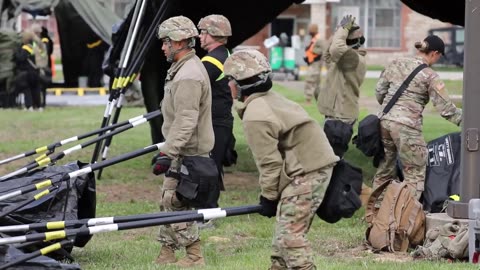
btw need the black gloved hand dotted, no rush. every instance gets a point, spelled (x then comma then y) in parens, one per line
(353, 28)
(269, 208)
(347, 22)
(161, 163)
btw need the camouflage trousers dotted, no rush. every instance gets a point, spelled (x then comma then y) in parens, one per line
(295, 212)
(410, 147)
(312, 80)
(176, 235)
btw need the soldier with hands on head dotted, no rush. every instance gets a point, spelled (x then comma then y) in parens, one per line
(401, 127)
(214, 32)
(187, 126)
(293, 156)
(346, 69)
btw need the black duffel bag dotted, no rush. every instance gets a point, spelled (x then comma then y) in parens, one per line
(198, 182)
(369, 140)
(342, 197)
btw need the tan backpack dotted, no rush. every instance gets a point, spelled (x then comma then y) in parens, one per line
(399, 221)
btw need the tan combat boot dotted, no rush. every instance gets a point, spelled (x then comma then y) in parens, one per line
(194, 256)
(166, 256)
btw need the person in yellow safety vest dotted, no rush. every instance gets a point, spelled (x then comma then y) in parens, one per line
(313, 55)
(96, 49)
(214, 32)
(26, 77)
(43, 50)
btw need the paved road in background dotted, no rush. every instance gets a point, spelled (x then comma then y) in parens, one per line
(74, 100)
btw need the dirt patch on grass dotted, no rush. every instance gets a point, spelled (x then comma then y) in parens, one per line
(123, 192)
(150, 190)
(362, 252)
(240, 180)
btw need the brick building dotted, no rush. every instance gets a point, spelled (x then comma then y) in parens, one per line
(390, 27)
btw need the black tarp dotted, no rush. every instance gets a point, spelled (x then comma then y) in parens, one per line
(443, 171)
(74, 199)
(9, 253)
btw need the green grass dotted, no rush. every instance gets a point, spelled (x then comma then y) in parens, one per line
(237, 242)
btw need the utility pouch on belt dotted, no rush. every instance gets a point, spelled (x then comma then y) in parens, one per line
(198, 179)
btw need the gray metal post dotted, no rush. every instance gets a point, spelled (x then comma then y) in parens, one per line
(470, 164)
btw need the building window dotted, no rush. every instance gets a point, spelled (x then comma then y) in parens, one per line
(380, 20)
(383, 29)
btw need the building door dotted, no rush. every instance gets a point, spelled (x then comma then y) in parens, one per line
(285, 26)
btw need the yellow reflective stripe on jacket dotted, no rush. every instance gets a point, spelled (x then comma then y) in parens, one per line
(94, 44)
(28, 49)
(215, 62)
(45, 40)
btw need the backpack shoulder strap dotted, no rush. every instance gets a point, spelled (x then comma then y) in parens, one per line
(370, 208)
(402, 88)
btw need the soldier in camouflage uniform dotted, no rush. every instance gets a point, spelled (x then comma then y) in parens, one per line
(401, 127)
(292, 154)
(187, 127)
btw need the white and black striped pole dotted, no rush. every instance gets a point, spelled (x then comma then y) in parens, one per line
(57, 225)
(48, 160)
(51, 147)
(84, 171)
(203, 215)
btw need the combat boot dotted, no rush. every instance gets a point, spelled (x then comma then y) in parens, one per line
(166, 256)
(194, 256)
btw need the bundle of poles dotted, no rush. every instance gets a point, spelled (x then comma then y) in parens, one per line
(59, 230)
(129, 66)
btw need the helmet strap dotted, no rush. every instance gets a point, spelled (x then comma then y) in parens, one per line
(171, 56)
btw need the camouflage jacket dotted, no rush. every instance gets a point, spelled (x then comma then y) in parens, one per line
(186, 109)
(346, 69)
(426, 85)
(284, 140)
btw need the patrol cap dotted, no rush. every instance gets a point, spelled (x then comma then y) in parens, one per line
(245, 64)
(216, 25)
(434, 43)
(177, 28)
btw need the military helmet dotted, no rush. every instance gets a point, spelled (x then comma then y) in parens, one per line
(27, 37)
(177, 28)
(216, 25)
(244, 64)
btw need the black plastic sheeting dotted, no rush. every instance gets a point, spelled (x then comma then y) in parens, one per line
(443, 171)
(9, 253)
(446, 11)
(74, 199)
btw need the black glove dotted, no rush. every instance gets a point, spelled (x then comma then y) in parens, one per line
(161, 163)
(347, 22)
(269, 208)
(353, 28)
